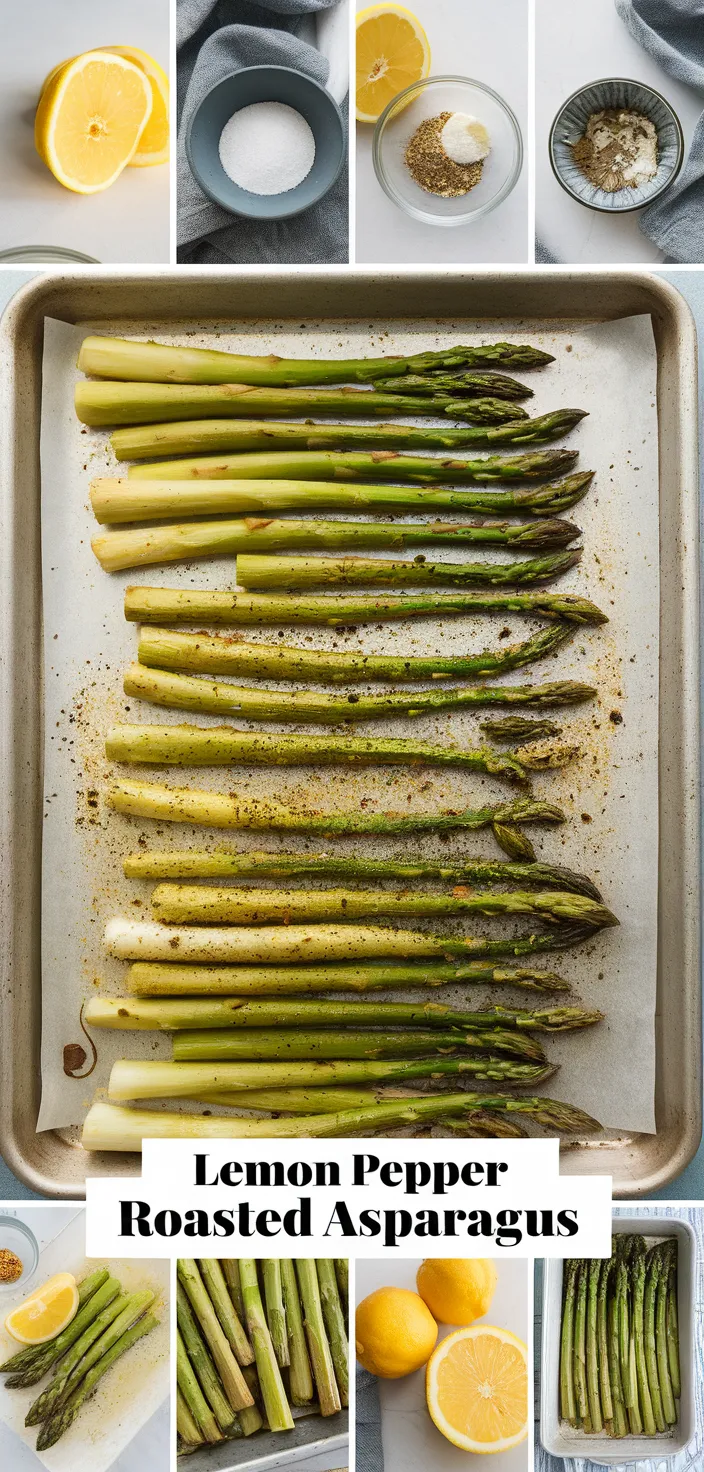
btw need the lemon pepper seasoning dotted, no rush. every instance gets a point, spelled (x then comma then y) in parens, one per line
(10, 1266)
(432, 168)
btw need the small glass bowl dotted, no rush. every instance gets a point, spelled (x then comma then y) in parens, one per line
(45, 255)
(426, 99)
(20, 1239)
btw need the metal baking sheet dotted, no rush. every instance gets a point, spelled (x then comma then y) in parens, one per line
(311, 1436)
(639, 1162)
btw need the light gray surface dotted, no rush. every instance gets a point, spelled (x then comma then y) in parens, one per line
(489, 44)
(128, 222)
(577, 44)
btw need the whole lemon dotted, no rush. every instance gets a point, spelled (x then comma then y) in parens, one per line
(394, 1333)
(457, 1290)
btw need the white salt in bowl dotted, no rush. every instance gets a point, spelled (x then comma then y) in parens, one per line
(569, 126)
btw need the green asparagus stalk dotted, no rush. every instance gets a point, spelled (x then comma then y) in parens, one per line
(624, 1321)
(116, 357)
(318, 1346)
(593, 1272)
(133, 1306)
(335, 1324)
(86, 1288)
(206, 1423)
(468, 385)
(300, 1376)
(515, 844)
(237, 1012)
(251, 1418)
(278, 1412)
(519, 728)
(213, 1277)
(152, 979)
(342, 1271)
(652, 1275)
(46, 1403)
(201, 1361)
(227, 864)
(580, 1345)
(634, 1413)
(661, 1338)
(275, 1310)
(186, 605)
(638, 1272)
(602, 1328)
(55, 1428)
(484, 1125)
(188, 692)
(262, 573)
(673, 1334)
(188, 1433)
(546, 756)
(272, 1043)
(231, 1269)
(620, 1422)
(568, 1403)
(30, 1372)
(108, 1127)
(213, 654)
(277, 450)
(234, 1384)
(122, 500)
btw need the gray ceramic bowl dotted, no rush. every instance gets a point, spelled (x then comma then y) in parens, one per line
(266, 84)
(569, 126)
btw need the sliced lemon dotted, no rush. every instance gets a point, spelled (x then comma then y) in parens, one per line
(45, 1313)
(392, 53)
(477, 1389)
(153, 146)
(90, 119)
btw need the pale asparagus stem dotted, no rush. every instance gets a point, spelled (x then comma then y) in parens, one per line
(199, 1356)
(105, 403)
(273, 1043)
(204, 904)
(230, 1373)
(230, 1267)
(152, 979)
(186, 1427)
(318, 1345)
(217, 746)
(162, 1080)
(251, 1419)
(335, 1324)
(214, 1280)
(229, 864)
(123, 500)
(342, 1274)
(300, 1377)
(241, 1012)
(265, 573)
(275, 1311)
(107, 1127)
(153, 362)
(190, 1389)
(308, 451)
(135, 940)
(322, 708)
(215, 654)
(188, 605)
(276, 1406)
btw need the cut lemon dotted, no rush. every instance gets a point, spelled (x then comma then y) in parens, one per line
(90, 119)
(153, 146)
(392, 53)
(477, 1389)
(45, 1313)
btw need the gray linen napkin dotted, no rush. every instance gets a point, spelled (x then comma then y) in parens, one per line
(672, 31)
(369, 1453)
(216, 38)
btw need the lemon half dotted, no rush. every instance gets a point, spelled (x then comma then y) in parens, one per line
(477, 1389)
(45, 1313)
(91, 116)
(392, 53)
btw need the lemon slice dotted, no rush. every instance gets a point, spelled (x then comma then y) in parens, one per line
(90, 119)
(477, 1389)
(45, 1313)
(392, 53)
(153, 146)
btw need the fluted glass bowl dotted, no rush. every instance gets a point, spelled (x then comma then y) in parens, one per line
(569, 126)
(17, 1237)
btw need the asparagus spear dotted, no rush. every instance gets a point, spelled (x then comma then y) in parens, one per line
(652, 1275)
(580, 1345)
(466, 384)
(252, 449)
(47, 1402)
(213, 1277)
(55, 1428)
(275, 1310)
(620, 1422)
(485, 1125)
(318, 1345)
(231, 1269)
(185, 605)
(86, 1288)
(514, 843)
(254, 572)
(120, 500)
(519, 728)
(117, 357)
(546, 756)
(568, 1404)
(593, 1272)
(31, 1371)
(152, 979)
(661, 1337)
(239, 1012)
(188, 692)
(602, 1331)
(342, 1270)
(108, 1127)
(270, 1044)
(624, 1321)
(278, 1412)
(638, 1272)
(206, 1423)
(251, 1418)
(70, 1374)
(673, 1336)
(234, 1384)
(201, 1361)
(188, 1433)
(335, 1325)
(300, 1377)
(228, 863)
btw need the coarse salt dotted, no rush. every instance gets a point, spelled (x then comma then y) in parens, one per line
(464, 139)
(267, 148)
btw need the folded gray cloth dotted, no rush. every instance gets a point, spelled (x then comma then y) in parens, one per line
(369, 1452)
(216, 38)
(672, 31)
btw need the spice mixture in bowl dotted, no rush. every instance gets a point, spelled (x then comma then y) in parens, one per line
(19, 1253)
(616, 145)
(447, 150)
